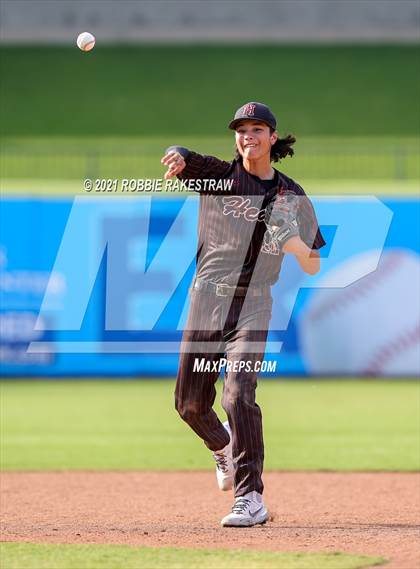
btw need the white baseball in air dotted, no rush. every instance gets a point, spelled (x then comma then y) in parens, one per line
(370, 327)
(85, 41)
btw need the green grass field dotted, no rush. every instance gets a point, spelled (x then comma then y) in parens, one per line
(41, 556)
(310, 425)
(132, 91)
(120, 425)
(112, 112)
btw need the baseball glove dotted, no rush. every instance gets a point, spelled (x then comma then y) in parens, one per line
(281, 217)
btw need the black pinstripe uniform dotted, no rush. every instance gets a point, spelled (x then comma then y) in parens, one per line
(234, 249)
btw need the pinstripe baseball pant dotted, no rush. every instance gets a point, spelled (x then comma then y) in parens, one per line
(234, 328)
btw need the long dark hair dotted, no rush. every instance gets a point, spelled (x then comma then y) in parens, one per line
(280, 149)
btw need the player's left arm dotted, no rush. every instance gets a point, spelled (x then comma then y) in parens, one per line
(308, 259)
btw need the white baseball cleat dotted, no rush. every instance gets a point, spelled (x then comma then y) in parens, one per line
(248, 510)
(224, 464)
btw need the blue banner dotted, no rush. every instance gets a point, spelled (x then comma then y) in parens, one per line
(96, 286)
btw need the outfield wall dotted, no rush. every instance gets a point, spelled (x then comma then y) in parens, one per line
(41, 21)
(97, 286)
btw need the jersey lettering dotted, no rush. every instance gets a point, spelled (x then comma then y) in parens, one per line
(239, 206)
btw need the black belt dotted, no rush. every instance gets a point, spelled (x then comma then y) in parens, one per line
(220, 289)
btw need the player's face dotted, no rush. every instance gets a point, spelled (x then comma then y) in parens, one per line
(254, 140)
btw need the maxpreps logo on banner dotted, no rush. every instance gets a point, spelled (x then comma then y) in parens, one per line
(147, 249)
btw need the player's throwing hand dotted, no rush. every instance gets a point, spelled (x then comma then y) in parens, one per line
(175, 163)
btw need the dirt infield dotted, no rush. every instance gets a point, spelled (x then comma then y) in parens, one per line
(365, 513)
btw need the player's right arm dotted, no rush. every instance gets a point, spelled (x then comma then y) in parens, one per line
(174, 160)
(186, 164)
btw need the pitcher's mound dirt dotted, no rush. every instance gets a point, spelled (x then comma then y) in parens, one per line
(365, 513)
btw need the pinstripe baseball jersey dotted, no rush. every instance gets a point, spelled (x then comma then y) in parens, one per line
(233, 241)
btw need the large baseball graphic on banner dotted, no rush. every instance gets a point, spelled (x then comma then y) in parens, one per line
(370, 327)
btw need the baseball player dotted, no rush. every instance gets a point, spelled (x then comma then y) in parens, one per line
(244, 233)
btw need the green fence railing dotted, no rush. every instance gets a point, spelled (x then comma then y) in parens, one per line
(324, 159)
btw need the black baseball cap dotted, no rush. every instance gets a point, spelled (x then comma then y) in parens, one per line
(254, 111)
